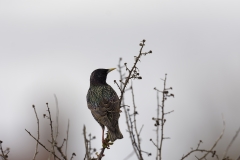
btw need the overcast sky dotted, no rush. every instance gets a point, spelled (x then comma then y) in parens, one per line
(51, 47)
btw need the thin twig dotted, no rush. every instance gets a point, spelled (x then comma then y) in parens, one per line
(61, 152)
(207, 151)
(230, 144)
(196, 150)
(67, 137)
(101, 154)
(129, 156)
(50, 119)
(135, 124)
(162, 119)
(124, 106)
(38, 134)
(217, 139)
(86, 143)
(57, 116)
(157, 130)
(73, 154)
(140, 130)
(42, 144)
(2, 155)
(142, 44)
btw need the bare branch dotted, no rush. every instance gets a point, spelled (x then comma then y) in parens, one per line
(217, 139)
(53, 141)
(230, 144)
(73, 154)
(3, 155)
(57, 115)
(67, 137)
(86, 143)
(38, 134)
(42, 144)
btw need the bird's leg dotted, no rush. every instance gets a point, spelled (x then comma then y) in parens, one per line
(105, 142)
(103, 134)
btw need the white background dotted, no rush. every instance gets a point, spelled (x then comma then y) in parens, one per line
(51, 47)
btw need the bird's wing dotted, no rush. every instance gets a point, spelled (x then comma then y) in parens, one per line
(106, 110)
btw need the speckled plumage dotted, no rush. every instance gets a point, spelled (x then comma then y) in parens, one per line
(103, 102)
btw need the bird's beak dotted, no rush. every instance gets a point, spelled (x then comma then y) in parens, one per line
(110, 69)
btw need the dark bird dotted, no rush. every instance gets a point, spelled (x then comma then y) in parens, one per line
(103, 102)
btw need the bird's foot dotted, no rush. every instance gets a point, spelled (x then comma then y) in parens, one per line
(106, 142)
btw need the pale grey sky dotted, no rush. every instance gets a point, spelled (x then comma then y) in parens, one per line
(51, 47)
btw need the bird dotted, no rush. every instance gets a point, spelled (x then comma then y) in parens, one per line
(103, 103)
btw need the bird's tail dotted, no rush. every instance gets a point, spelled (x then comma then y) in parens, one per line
(115, 133)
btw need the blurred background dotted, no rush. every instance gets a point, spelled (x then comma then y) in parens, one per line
(51, 47)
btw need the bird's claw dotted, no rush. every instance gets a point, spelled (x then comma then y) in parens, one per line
(106, 142)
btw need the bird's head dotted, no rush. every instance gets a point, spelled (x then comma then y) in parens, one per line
(99, 76)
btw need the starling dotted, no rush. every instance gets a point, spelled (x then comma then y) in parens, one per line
(103, 102)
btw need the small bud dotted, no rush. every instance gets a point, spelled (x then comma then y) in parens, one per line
(93, 137)
(1, 141)
(44, 115)
(74, 154)
(114, 81)
(120, 58)
(33, 106)
(143, 40)
(150, 51)
(150, 139)
(140, 44)
(153, 118)
(125, 64)
(94, 149)
(149, 154)
(165, 92)
(139, 77)
(170, 88)
(154, 88)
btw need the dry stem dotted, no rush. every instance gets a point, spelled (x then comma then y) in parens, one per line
(38, 134)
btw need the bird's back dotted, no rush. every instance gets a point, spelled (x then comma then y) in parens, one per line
(100, 93)
(104, 105)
